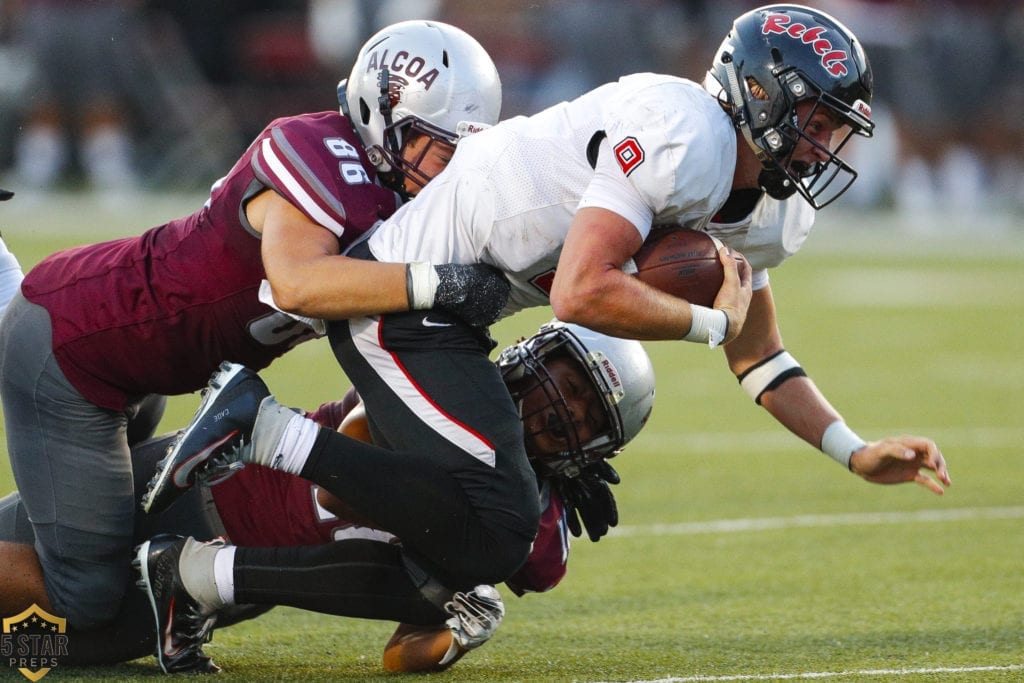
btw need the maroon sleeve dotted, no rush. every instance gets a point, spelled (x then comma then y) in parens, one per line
(316, 162)
(332, 413)
(549, 556)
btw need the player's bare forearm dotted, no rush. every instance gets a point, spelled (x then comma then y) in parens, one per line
(796, 403)
(617, 304)
(307, 274)
(801, 408)
(590, 288)
(335, 287)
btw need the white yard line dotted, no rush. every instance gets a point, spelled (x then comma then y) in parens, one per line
(719, 526)
(835, 674)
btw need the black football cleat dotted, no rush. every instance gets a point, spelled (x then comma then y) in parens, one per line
(212, 445)
(181, 627)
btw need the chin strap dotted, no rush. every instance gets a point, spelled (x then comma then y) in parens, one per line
(738, 112)
(776, 183)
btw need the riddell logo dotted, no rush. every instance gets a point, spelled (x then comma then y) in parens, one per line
(611, 372)
(832, 59)
(33, 641)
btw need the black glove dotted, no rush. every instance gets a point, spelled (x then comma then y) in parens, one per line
(475, 292)
(587, 497)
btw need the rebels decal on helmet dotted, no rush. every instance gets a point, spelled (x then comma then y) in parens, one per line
(832, 60)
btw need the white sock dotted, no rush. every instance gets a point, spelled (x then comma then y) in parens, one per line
(107, 157)
(295, 445)
(40, 154)
(196, 567)
(224, 574)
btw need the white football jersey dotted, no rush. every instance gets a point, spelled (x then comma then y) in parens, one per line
(654, 149)
(774, 231)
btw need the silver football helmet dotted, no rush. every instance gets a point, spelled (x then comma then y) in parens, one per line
(418, 76)
(620, 371)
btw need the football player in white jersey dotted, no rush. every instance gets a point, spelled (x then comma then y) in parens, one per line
(559, 202)
(11, 274)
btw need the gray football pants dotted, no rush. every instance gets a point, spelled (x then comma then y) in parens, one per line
(72, 466)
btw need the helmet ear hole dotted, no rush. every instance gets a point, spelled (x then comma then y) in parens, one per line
(757, 90)
(776, 55)
(364, 111)
(444, 58)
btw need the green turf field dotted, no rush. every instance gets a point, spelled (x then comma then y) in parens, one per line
(743, 554)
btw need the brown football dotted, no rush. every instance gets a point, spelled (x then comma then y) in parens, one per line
(682, 262)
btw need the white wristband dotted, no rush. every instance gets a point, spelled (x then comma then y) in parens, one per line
(420, 285)
(839, 443)
(708, 326)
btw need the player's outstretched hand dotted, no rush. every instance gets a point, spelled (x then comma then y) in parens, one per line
(734, 295)
(901, 459)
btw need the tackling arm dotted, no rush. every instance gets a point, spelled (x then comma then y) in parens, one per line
(794, 400)
(308, 275)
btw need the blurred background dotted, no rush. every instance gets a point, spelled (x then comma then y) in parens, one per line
(125, 97)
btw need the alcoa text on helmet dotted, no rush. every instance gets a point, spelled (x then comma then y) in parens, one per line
(422, 77)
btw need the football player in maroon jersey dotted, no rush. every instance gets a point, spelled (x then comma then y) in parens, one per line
(98, 334)
(549, 375)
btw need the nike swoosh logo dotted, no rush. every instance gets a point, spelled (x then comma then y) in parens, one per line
(427, 322)
(184, 470)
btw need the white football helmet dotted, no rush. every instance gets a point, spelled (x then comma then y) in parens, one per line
(620, 371)
(422, 76)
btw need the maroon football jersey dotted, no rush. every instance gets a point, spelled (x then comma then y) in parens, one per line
(157, 313)
(265, 508)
